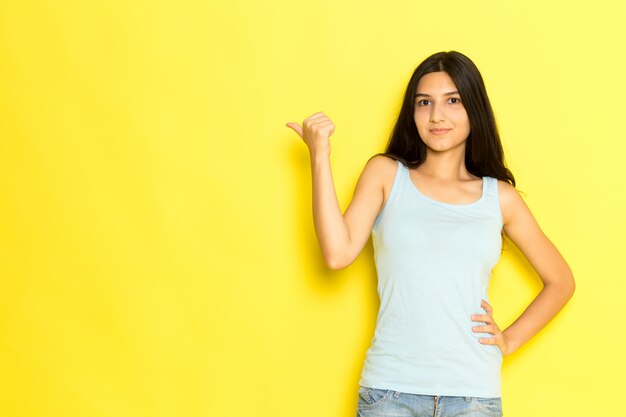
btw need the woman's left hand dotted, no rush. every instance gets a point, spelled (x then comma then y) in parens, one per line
(498, 339)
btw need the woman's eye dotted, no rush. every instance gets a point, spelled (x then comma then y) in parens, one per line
(424, 102)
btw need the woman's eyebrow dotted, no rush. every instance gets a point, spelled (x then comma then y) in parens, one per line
(446, 94)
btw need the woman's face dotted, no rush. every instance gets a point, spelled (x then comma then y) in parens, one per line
(440, 116)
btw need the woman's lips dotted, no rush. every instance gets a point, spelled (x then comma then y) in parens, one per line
(439, 131)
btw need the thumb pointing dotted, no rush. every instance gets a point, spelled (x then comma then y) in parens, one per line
(296, 127)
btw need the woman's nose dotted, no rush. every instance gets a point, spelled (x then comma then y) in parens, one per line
(436, 114)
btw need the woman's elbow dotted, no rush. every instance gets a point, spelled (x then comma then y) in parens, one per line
(569, 285)
(563, 287)
(337, 262)
(572, 286)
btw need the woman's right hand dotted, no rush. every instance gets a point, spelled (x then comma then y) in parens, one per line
(315, 132)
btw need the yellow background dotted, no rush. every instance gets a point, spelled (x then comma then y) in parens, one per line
(157, 250)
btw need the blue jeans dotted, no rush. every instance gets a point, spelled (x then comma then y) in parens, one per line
(374, 402)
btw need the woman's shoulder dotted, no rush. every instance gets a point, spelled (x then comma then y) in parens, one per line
(382, 163)
(510, 199)
(380, 170)
(506, 191)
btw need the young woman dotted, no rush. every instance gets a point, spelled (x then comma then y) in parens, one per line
(437, 204)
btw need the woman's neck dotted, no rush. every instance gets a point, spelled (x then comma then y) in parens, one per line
(445, 166)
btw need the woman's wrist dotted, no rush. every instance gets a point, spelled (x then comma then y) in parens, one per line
(318, 154)
(511, 343)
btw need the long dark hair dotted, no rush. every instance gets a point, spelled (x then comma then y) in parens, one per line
(484, 155)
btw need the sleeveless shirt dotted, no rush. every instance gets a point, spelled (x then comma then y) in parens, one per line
(434, 263)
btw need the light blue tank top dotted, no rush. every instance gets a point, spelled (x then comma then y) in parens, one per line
(434, 263)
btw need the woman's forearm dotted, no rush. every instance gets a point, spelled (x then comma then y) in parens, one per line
(331, 229)
(550, 300)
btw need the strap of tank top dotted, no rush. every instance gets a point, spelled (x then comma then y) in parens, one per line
(494, 198)
(492, 186)
(488, 187)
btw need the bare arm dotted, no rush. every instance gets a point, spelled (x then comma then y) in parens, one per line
(522, 228)
(331, 228)
(341, 236)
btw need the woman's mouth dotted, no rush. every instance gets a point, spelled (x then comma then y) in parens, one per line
(439, 131)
